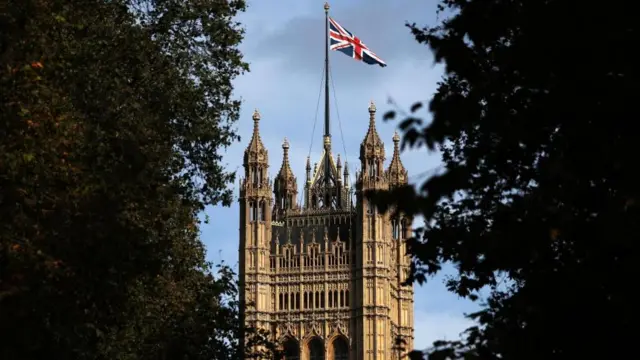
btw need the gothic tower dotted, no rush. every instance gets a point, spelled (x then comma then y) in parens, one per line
(325, 276)
(255, 231)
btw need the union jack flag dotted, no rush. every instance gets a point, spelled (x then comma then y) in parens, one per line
(344, 41)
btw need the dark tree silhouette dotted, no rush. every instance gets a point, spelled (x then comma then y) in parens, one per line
(538, 201)
(113, 115)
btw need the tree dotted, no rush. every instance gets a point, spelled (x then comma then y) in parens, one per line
(538, 202)
(113, 118)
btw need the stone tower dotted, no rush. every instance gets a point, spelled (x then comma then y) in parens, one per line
(325, 275)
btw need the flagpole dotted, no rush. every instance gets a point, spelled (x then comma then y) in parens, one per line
(327, 131)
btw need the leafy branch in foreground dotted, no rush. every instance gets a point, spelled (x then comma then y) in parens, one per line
(113, 117)
(540, 188)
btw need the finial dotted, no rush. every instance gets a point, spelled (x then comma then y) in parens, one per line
(339, 163)
(308, 163)
(326, 7)
(372, 107)
(285, 144)
(256, 115)
(396, 137)
(346, 168)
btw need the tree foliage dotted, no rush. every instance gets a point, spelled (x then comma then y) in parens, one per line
(113, 116)
(538, 202)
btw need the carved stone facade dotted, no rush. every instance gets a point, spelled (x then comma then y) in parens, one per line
(325, 276)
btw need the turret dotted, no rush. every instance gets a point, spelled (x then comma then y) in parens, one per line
(255, 224)
(396, 173)
(256, 158)
(285, 187)
(371, 155)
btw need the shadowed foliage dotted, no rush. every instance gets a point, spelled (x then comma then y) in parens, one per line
(538, 203)
(113, 116)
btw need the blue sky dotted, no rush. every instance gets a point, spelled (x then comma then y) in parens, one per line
(284, 46)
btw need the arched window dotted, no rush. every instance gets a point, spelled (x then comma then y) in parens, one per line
(403, 230)
(395, 229)
(291, 350)
(340, 349)
(316, 349)
(371, 168)
(252, 214)
(254, 176)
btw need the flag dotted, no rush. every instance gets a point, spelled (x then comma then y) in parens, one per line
(344, 41)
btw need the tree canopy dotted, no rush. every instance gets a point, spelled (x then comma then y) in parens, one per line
(113, 116)
(538, 200)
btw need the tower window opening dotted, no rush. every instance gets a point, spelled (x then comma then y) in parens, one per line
(291, 350)
(261, 211)
(371, 168)
(316, 349)
(395, 229)
(340, 349)
(253, 211)
(254, 176)
(403, 230)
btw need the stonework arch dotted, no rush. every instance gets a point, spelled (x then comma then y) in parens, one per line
(291, 349)
(314, 349)
(338, 348)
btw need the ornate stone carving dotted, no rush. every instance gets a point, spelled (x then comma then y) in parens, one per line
(308, 260)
